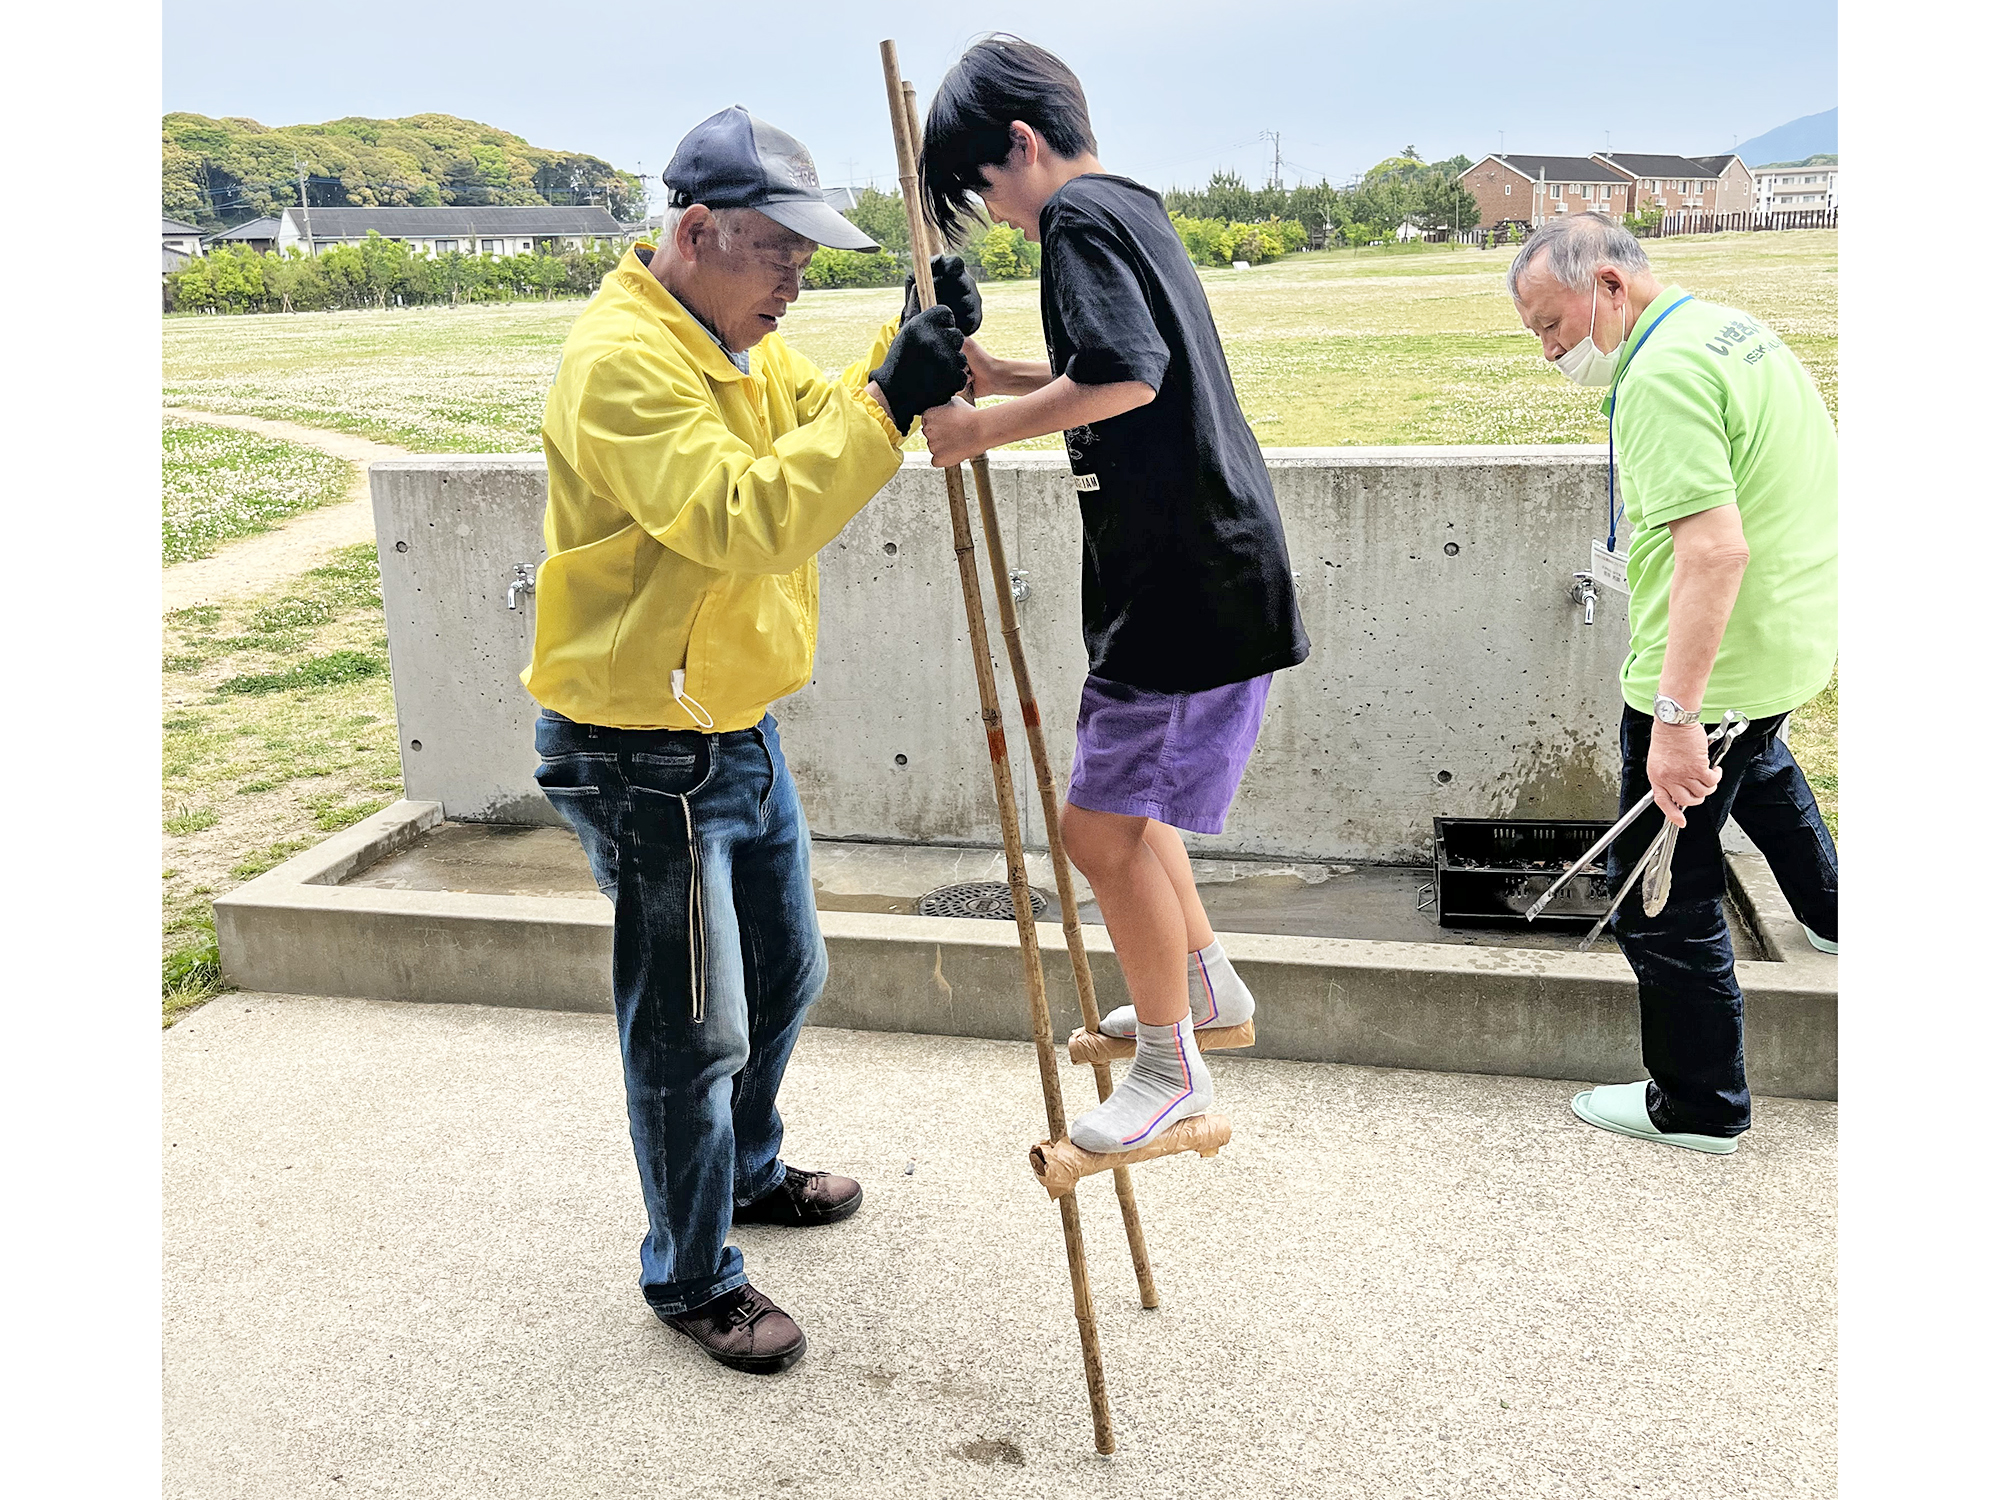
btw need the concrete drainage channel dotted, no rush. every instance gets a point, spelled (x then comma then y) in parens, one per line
(406, 906)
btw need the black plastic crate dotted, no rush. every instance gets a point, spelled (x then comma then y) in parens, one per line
(1487, 872)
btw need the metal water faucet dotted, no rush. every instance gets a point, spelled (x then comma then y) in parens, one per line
(1017, 585)
(1584, 592)
(523, 583)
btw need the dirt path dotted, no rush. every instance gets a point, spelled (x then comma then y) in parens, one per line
(254, 564)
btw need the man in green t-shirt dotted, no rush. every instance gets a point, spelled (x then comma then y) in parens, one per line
(1723, 454)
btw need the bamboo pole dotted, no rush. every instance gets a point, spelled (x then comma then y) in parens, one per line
(1003, 792)
(1038, 751)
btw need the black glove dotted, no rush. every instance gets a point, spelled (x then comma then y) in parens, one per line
(955, 290)
(924, 367)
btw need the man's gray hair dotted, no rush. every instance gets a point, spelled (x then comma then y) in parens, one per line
(1577, 244)
(727, 222)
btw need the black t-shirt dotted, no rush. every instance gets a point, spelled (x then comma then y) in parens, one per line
(1187, 583)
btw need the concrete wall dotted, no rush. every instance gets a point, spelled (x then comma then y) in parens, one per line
(449, 532)
(1451, 673)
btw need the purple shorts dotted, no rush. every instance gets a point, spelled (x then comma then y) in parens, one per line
(1176, 757)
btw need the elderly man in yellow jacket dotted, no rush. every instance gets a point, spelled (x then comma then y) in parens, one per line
(696, 466)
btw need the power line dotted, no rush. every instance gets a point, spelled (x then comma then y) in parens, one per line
(1277, 174)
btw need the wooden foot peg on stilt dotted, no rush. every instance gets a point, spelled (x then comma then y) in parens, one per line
(1058, 1165)
(1089, 1048)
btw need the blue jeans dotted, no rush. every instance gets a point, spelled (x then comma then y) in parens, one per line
(1690, 1009)
(699, 842)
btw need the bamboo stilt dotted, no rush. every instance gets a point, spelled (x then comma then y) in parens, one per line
(1003, 791)
(1093, 1048)
(1038, 752)
(1058, 1164)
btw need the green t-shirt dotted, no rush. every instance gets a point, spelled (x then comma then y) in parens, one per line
(1717, 410)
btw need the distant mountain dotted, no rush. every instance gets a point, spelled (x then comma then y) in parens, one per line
(1810, 135)
(217, 173)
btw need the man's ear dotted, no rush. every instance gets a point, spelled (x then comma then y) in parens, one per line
(1023, 139)
(695, 222)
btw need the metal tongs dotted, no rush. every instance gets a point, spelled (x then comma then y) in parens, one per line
(1656, 865)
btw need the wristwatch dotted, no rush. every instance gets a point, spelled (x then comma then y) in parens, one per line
(1669, 712)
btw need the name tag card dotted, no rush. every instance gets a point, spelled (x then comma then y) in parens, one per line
(1608, 568)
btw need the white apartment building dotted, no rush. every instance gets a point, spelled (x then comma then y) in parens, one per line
(1797, 189)
(511, 230)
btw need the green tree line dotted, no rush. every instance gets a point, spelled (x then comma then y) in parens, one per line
(995, 252)
(220, 173)
(1223, 242)
(379, 272)
(1402, 188)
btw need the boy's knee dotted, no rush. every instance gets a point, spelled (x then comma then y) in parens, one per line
(1083, 838)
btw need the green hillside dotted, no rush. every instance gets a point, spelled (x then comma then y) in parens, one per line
(217, 173)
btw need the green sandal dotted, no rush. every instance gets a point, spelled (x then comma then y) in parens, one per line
(1621, 1107)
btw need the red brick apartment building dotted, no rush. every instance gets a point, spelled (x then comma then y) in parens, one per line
(1735, 187)
(1532, 189)
(1697, 184)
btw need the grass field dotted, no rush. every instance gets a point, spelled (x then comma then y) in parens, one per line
(1361, 346)
(279, 722)
(279, 728)
(217, 484)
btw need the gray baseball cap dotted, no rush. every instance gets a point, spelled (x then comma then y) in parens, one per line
(734, 160)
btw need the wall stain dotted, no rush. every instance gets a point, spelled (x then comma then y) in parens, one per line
(1560, 778)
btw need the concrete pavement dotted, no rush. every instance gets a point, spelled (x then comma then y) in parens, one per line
(401, 1261)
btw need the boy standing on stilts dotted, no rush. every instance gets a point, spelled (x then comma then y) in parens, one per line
(1187, 586)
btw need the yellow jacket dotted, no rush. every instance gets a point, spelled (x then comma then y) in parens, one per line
(687, 503)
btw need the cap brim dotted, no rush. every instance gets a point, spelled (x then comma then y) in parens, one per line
(818, 223)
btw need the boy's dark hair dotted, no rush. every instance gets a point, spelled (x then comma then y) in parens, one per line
(1000, 79)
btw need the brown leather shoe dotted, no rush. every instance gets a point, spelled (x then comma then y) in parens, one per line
(804, 1198)
(744, 1330)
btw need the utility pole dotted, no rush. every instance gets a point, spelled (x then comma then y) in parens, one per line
(1272, 137)
(305, 210)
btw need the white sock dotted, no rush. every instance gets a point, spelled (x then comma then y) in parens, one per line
(1167, 1082)
(1217, 997)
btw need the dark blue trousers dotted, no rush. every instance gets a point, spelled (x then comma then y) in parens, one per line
(1690, 1008)
(699, 841)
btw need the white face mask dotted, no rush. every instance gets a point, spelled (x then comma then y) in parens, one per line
(1587, 364)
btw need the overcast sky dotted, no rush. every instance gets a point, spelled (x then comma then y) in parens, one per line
(1176, 89)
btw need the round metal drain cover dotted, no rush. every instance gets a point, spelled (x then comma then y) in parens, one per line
(978, 898)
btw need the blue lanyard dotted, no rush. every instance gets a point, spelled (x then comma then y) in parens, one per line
(1611, 506)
